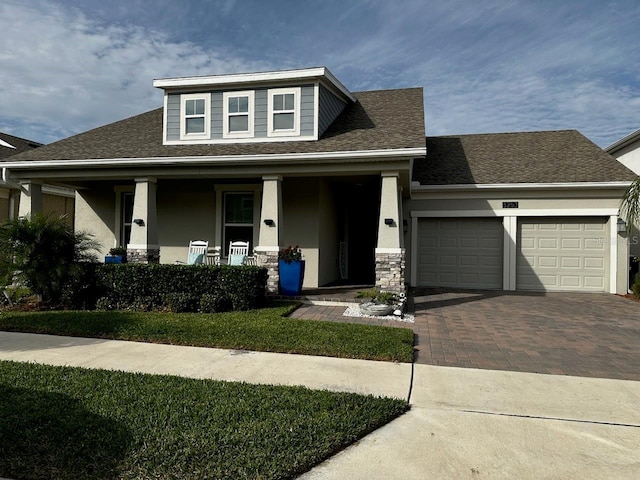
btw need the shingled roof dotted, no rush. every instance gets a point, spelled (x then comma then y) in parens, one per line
(563, 156)
(20, 145)
(383, 119)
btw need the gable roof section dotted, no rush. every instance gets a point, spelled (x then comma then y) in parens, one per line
(10, 145)
(564, 156)
(379, 120)
(623, 142)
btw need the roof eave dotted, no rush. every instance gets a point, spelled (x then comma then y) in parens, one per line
(316, 73)
(416, 187)
(398, 153)
(623, 142)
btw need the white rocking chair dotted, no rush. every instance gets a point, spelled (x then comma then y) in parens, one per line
(238, 252)
(197, 253)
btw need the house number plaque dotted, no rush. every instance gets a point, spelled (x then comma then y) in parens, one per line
(509, 204)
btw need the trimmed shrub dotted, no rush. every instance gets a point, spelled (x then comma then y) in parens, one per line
(635, 288)
(215, 303)
(178, 288)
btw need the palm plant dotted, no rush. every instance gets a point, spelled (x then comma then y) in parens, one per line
(43, 249)
(630, 205)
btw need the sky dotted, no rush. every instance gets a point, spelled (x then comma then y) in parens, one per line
(485, 66)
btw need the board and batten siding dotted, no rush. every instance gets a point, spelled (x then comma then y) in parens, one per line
(307, 113)
(330, 107)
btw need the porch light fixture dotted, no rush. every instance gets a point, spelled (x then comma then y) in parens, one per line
(388, 221)
(138, 221)
(622, 226)
(269, 223)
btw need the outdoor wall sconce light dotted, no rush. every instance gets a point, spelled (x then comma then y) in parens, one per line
(389, 221)
(622, 226)
(269, 223)
(139, 222)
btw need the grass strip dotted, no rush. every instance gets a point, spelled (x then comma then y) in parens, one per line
(72, 423)
(259, 330)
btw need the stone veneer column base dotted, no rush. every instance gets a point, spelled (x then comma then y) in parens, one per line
(143, 255)
(390, 268)
(269, 260)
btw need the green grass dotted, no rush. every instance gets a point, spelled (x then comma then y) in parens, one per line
(72, 423)
(260, 330)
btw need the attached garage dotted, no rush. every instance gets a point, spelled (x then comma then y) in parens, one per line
(563, 254)
(460, 252)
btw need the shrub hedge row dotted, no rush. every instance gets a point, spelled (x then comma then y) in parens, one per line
(178, 288)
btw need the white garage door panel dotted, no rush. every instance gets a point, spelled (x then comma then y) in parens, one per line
(460, 253)
(564, 254)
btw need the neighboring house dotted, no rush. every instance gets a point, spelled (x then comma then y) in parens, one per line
(627, 151)
(55, 200)
(294, 158)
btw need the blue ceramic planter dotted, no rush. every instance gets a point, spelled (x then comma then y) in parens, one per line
(113, 259)
(291, 276)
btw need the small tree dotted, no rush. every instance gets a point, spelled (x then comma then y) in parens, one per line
(43, 249)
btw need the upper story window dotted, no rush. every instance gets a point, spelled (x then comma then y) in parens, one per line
(284, 112)
(238, 114)
(195, 118)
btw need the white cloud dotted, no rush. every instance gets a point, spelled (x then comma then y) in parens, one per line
(66, 73)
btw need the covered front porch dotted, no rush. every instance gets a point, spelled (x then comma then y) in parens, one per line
(349, 224)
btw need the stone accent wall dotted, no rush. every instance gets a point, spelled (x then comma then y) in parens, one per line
(269, 260)
(142, 255)
(390, 268)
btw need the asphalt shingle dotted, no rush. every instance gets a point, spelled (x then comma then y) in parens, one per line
(383, 119)
(520, 157)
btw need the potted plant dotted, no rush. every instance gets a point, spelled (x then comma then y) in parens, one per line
(378, 303)
(291, 270)
(116, 255)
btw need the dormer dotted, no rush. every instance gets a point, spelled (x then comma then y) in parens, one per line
(288, 105)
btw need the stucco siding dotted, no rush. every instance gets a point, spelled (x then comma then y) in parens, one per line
(300, 202)
(186, 211)
(328, 270)
(95, 214)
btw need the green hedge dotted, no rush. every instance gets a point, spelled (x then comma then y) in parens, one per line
(177, 288)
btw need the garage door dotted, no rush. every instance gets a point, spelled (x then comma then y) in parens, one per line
(562, 254)
(460, 253)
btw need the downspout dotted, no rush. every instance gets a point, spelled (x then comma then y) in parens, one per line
(6, 181)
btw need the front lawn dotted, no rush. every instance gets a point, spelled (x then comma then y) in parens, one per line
(72, 423)
(260, 330)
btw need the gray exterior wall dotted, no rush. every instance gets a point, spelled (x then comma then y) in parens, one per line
(330, 107)
(173, 117)
(307, 114)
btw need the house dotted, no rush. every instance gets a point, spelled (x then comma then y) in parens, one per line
(627, 151)
(55, 200)
(295, 158)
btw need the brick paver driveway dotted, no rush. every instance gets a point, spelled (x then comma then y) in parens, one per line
(590, 335)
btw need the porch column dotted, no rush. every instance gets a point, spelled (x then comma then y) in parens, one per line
(143, 246)
(390, 253)
(270, 229)
(30, 198)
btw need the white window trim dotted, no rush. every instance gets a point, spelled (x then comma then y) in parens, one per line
(220, 190)
(207, 116)
(295, 131)
(225, 114)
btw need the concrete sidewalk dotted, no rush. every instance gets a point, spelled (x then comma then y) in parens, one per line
(464, 423)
